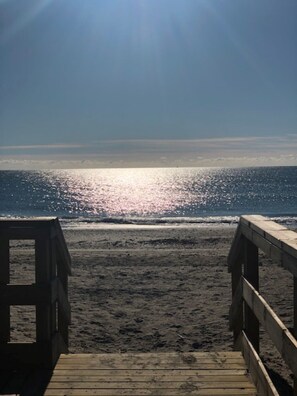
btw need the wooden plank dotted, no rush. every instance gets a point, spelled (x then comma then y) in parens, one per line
(272, 251)
(25, 294)
(20, 355)
(235, 253)
(169, 373)
(25, 233)
(26, 222)
(156, 361)
(62, 247)
(257, 370)
(4, 260)
(144, 378)
(149, 384)
(4, 280)
(143, 392)
(261, 224)
(251, 274)
(15, 383)
(280, 335)
(43, 276)
(295, 324)
(236, 308)
(148, 366)
(150, 355)
(64, 309)
(155, 371)
(277, 234)
(158, 358)
(247, 219)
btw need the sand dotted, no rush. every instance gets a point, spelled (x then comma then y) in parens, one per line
(158, 289)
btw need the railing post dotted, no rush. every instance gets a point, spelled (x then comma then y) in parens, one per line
(238, 325)
(4, 280)
(45, 294)
(251, 273)
(295, 325)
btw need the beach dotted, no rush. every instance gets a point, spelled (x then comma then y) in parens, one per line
(156, 288)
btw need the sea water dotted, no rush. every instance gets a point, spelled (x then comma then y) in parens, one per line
(154, 196)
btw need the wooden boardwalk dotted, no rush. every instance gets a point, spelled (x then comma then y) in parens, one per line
(42, 367)
(199, 373)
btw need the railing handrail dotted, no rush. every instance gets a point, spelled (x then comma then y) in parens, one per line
(31, 228)
(49, 293)
(249, 308)
(275, 240)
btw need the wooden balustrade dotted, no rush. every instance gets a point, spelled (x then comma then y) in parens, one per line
(49, 293)
(248, 308)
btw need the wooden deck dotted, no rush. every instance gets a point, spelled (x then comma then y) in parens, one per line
(199, 373)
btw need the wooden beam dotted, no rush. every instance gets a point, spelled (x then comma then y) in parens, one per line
(63, 253)
(4, 280)
(278, 332)
(25, 294)
(251, 274)
(295, 324)
(43, 277)
(236, 306)
(235, 254)
(285, 259)
(257, 369)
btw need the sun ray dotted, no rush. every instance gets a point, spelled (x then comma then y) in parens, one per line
(24, 19)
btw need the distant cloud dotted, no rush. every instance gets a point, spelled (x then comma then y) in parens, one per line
(42, 146)
(229, 152)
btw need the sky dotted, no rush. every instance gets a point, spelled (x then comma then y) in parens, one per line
(120, 83)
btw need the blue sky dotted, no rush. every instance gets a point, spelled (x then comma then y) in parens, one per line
(147, 82)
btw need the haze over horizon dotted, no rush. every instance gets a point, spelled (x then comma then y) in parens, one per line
(119, 83)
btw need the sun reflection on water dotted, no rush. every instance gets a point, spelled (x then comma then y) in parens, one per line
(127, 192)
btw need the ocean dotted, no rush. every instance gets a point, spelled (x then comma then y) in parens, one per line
(92, 198)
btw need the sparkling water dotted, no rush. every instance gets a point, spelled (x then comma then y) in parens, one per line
(150, 196)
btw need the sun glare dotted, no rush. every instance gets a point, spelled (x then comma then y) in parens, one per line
(28, 13)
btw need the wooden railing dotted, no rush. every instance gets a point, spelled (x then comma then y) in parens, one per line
(249, 309)
(49, 293)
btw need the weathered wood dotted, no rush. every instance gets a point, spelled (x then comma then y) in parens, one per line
(257, 369)
(236, 308)
(148, 366)
(24, 355)
(149, 384)
(280, 244)
(25, 294)
(276, 241)
(48, 291)
(159, 373)
(236, 273)
(143, 377)
(43, 276)
(64, 311)
(273, 232)
(235, 254)
(153, 355)
(65, 259)
(139, 372)
(278, 332)
(4, 280)
(4, 261)
(295, 324)
(143, 392)
(251, 273)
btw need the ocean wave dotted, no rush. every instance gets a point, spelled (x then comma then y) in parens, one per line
(74, 222)
(290, 221)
